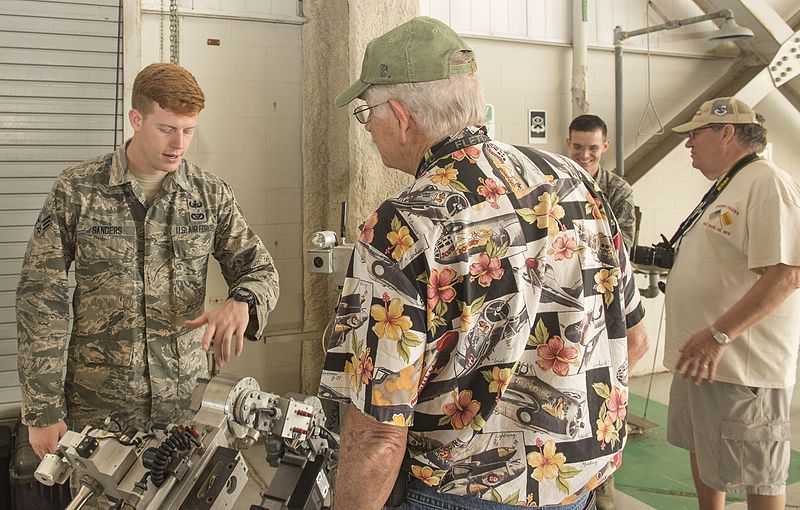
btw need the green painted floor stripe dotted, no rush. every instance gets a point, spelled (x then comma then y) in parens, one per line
(657, 473)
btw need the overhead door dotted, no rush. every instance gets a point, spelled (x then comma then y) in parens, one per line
(60, 103)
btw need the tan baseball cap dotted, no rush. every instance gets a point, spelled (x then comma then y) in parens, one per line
(723, 110)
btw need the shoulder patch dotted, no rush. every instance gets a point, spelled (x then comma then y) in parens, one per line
(43, 223)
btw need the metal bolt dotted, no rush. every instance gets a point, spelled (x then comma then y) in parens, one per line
(785, 58)
(774, 68)
(788, 69)
(779, 63)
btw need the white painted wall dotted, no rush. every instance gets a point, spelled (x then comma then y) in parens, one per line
(250, 135)
(550, 21)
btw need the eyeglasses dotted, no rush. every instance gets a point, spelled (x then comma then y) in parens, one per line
(362, 113)
(593, 149)
(693, 132)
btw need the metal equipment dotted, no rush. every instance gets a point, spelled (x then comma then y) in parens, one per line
(198, 464)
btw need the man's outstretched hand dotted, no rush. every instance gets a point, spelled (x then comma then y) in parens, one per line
(222, 325)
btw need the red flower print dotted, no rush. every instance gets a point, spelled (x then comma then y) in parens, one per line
(594, 206)
(556, 356)
(486, 269)
(563, 247)
(462, 409)
(491, 191)
(368, 232)
(617, 405)
(440, 287)
(472, 153)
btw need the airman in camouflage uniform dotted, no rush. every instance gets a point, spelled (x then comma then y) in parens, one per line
(586, 144)
(620, 197)
(140, 279)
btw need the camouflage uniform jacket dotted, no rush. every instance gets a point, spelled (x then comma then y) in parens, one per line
(486, 309)
(620, 197)
(140, 272)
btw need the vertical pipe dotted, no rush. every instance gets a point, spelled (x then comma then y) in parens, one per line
(131, 57)
(580, 104)
(618, 134)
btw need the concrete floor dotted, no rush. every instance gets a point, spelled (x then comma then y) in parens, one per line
(261, 473)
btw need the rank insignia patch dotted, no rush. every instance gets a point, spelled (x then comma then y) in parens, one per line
(43, 223)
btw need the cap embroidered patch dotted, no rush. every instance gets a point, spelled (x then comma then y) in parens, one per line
(720, 109)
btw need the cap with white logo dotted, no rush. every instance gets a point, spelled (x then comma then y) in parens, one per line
(723, 110)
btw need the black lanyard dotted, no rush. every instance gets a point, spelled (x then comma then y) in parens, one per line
(709, 197)
(450, 145)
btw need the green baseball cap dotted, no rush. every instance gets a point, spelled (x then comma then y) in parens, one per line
(418, 50)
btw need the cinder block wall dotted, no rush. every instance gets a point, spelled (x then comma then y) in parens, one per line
(339, 160)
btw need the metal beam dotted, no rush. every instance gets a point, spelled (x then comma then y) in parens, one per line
(794, 20)
(750, 83)
(732, 83)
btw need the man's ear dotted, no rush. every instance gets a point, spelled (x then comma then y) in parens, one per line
(135, 118)
(568, 142)
(404, 119)
(728, 133)
(604, 147)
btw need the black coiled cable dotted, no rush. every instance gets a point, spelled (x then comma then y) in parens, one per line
(157, 459)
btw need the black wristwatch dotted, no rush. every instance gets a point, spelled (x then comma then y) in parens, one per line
(244, 295)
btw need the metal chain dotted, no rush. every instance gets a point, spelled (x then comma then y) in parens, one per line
(161, 33)
(173, 31)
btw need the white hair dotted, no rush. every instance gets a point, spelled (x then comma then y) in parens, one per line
(440, 108)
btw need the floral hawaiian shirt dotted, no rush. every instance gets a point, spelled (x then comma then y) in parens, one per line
(486, 309)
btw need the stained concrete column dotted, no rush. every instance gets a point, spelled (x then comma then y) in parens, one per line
(339, 161)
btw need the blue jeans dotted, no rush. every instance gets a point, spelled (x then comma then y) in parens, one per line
(421, 497)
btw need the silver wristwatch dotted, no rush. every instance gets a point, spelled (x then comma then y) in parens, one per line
(719, 336)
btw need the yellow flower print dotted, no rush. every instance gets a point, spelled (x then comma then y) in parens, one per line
(548, 212)
(390, 321)
(400, 240)
(466, 318)
(427, 475)
(606, 280)
(400, 420)
(606, 432)
(500, 379)
(546, 463)
(444, 176)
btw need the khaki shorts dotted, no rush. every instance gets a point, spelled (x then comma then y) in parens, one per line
(739, 434)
